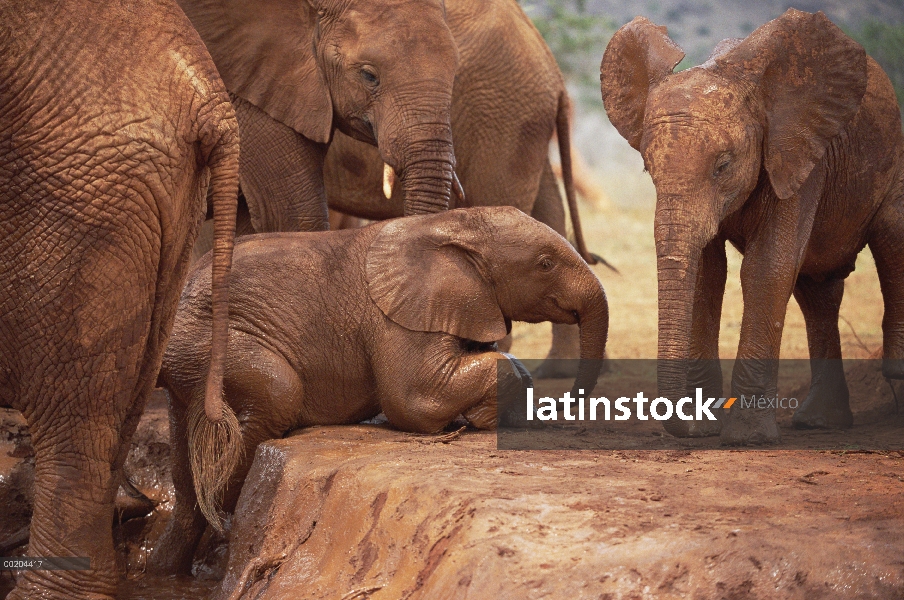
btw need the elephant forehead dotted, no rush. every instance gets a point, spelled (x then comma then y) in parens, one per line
(697, 93)
(686, 120)
(400, 26)
(682, 137)
(403, 46)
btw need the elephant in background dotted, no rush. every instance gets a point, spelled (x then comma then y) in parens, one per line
(788, 145)
(110, 132)
(501, 124)
(509, 99)
(399, 317)
(380, 71)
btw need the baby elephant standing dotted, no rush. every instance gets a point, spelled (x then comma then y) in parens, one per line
(334, 327)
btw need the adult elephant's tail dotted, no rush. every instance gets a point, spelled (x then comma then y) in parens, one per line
(213, 433)
(563, 133)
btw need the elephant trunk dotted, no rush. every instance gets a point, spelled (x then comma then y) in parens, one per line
(678, 251)
(593, 318)
(427, 185)
(417, 144)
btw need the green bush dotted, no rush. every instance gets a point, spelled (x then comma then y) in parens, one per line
(577, 39)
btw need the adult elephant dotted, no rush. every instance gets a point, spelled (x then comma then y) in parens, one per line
(509, 99)
(787, 144)
(110, 131)
(380, 71)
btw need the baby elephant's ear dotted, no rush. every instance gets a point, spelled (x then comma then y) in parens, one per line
(264, 51)
(638, 56)
(811, 79)
(423, 273)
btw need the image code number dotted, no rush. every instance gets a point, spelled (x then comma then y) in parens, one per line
(45, 563)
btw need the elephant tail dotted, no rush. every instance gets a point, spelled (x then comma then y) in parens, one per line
(563, 133)
(214, 436)
(214, 451)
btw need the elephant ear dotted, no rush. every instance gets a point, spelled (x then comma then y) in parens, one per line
(638, 56)
(425, 274)
(722, 48)
(264, 51)
(811, 79)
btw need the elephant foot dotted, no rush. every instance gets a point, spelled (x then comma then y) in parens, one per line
(505, 344)
(893, 368)
(692, 429)
(817, 415)
(822, 418)
(827, 404)
(750, 427)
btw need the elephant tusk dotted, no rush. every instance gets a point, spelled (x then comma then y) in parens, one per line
(458, 190)
(388, 180)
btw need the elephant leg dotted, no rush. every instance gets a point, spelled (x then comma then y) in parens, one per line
(281, 173)
(261, 380)
(426, 398)
(105, 376)
(549, 208)
(826, 405)
(176, 549)
(267, 395)
(886, 241)
(80, 446)
(704, 370)
(772, 260)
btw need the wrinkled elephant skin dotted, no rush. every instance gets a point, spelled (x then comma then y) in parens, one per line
(398, 317)
(110, 131)
(788, 145)
(378, 70)
(502, 121)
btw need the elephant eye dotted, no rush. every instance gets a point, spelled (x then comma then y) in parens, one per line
(369, 77)
(545, 263)
(721, 165)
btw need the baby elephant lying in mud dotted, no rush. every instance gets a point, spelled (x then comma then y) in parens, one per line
(329, 328)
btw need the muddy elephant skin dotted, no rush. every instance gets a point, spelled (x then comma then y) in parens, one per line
(110, 132)
(788, 145)
(399, 317)
(502, 121)
(380, 71)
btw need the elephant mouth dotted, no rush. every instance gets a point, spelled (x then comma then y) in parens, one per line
(475, 347)
(568, 316)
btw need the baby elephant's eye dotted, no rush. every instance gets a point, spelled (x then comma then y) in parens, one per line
(369, 77)
(721, 165)
(545, 263)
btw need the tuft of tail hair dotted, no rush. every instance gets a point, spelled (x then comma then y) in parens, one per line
(214, 451)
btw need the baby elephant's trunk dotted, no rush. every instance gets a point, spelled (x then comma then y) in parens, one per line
(214, 451)
(593, 318)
